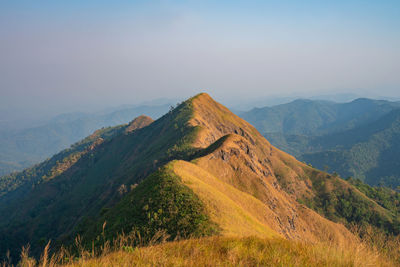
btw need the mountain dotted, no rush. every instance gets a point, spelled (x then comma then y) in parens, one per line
(65, 159)
(23, 148)
(315, 117)
(199, 170)
(369, 152)
(357, 139)
(279, 100)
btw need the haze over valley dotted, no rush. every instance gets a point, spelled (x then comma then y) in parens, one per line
(199, 133)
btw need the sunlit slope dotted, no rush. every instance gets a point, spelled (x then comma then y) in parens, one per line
(113, 181)
(65, 159)
(234, 211)
(234, 170)
(266, 202)
(45, 201)
(15, 185)
(238, 154)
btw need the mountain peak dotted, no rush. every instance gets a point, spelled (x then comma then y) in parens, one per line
(215, 121)
(230, 175)
(203, 96)
(138, 122)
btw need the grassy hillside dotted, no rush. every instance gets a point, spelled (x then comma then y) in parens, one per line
(56, 164)
(196, 171)
(341, 202)
(160, 203)
(235, 212)
(28, 146)
(386, 197)
(226, 251)
(54, 208)
(64, 160)
(16, 187)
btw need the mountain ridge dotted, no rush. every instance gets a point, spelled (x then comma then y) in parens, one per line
(367, 152)
(315, 117)
(198, 149)
(26, 147)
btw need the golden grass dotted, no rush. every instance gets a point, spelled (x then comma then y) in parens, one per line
(241, 216)
(251, 169)
(236, 212)
(225, 251)
(255, 195)
(388, 246)
(246, 238)
(230, 251)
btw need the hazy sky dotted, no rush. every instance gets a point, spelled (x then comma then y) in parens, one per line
(104, 53)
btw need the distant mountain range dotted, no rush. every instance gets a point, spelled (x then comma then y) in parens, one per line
(197, 171)
(22, 148)
(271, 101)
(358, 139)
(355, 139)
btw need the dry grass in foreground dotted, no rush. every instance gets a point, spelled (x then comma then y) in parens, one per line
(374, 249)
(228, 251)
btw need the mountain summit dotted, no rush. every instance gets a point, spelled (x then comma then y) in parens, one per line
(198, 170)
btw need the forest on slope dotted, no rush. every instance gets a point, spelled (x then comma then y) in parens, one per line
(357, 139)
(25, 147)
(197, 171)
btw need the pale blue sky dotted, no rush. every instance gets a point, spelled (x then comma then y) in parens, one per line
(66, 55)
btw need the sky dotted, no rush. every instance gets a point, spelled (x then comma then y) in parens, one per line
(74, 55)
